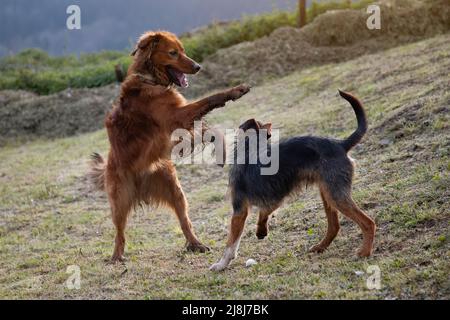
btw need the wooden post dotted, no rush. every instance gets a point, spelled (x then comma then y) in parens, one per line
(301, 13)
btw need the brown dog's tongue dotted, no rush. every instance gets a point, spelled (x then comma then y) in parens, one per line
(183, 80)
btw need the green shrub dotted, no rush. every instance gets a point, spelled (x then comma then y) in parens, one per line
(35, 70)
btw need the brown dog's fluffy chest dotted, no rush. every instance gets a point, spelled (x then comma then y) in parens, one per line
(138, 128)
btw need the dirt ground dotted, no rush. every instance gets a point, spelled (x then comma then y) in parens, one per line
(28, 116)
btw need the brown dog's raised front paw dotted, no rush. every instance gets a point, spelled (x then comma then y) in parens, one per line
(197, 247)
(237, 92)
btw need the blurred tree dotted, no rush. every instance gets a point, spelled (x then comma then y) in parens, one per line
(301, 13)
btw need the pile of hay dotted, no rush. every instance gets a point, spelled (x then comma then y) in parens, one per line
(72, 111)
(10, 96)
(334, 36)
(410, 18)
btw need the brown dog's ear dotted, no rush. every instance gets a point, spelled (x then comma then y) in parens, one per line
(147, 39)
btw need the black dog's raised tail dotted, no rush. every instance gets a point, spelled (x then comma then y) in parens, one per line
(356, 136)
(97, 171)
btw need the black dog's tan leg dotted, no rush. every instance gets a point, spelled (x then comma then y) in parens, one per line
(349, 208)
(367, 225)
(262, 228)
(333, 226)
(234, 238)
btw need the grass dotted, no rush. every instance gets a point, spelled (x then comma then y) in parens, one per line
(50, 219)
(35, 70)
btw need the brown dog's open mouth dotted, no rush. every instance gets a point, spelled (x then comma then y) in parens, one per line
(177, 77)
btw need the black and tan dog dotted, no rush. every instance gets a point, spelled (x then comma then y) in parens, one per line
(302, 160)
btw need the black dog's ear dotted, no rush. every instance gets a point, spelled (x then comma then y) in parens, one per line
(267, 126)
(147, 39)
(249, 124)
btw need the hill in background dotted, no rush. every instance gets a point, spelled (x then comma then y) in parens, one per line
(112, 24)
(332, 37)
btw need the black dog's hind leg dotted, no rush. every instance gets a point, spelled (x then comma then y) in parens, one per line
(348, 207)
(333, 226)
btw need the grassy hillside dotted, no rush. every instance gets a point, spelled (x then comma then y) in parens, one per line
(51, 219)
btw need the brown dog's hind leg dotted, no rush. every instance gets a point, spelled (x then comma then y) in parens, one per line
(162, 186)
(234, 238)
(333, 226)
(120, 209)
(120, 221)
(180, 206)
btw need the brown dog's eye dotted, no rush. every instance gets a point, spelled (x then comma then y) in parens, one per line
(173, 53)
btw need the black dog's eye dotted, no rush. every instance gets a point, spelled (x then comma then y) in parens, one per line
(173, 53)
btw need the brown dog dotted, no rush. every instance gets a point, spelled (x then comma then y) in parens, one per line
(139, 168)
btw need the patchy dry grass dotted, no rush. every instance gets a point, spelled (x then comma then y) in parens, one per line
(50, 218)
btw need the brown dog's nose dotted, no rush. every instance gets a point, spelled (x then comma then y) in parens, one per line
(197, 67)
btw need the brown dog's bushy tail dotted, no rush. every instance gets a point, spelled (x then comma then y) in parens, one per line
(356, 136)
(97, 171)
